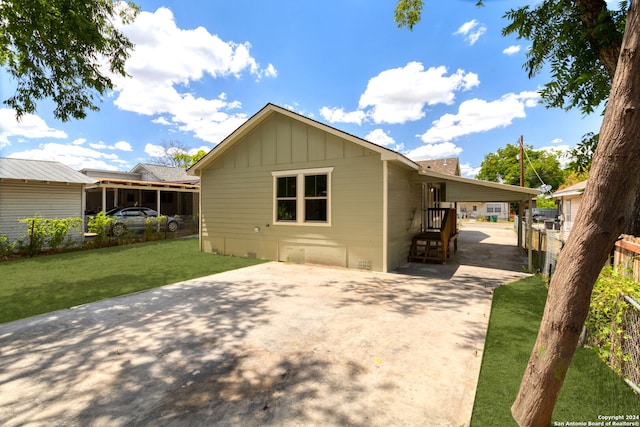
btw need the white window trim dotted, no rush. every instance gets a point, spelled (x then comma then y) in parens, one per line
(300, 174)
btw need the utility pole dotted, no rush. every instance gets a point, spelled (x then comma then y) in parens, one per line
(521, 163)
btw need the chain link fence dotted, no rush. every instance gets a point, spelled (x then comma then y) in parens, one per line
(629, 366)
(546, 245)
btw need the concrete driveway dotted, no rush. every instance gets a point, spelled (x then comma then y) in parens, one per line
(273, 344)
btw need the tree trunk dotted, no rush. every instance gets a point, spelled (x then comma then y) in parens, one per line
(603, 36)
(604, 212)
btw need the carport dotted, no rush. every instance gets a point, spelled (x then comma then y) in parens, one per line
(439, 188)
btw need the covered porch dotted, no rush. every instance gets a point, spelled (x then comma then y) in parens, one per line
(167, 198)
(440, 194)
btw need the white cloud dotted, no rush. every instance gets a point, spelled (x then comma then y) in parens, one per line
(434, 151)
(477, 115)
(72, 155)
(556, 141)
(167, 58)
(204, 148)
(472, 30)
(512, 50)
(338, 115)
(154, 150)
(380, 137)
(98, 145)
(30, 126)
(123, 146)
(469, 171)
(399, 95)
(79, 141)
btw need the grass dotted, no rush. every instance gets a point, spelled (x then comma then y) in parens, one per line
(590, 389)
(43, 284)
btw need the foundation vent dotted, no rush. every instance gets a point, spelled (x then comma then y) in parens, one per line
(251, 254)
(364, 265)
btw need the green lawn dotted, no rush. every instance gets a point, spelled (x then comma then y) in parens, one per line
(47, 283)
(590, 388)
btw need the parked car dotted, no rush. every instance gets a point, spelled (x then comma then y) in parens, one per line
(136, 219)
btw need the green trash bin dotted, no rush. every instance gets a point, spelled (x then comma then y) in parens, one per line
(494, 218)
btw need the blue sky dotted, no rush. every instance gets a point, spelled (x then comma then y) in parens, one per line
(452, 87)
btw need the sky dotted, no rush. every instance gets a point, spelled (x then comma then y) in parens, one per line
(451, 87)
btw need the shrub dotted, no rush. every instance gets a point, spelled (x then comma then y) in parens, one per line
(607, 312)
(6, 248)
(46, 233)
(100, 224)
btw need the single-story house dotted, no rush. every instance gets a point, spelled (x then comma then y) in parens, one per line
(288, 188)
(569, 199)
(168, 190)
(35, 187)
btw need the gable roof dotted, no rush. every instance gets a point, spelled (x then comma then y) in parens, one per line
(270, 109)
(40, 170)
(164, 173)
(448, 166)
(572, 190)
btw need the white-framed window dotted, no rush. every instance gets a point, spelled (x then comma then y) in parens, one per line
(302, 197)
(494, 207)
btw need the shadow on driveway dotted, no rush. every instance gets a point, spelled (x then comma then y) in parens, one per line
(272, 344)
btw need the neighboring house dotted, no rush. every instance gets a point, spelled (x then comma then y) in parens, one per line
(451, 166)
(35, 187)
(448, 166)
(286, 187)
(569, 199)
(485, 210)
(168, 190)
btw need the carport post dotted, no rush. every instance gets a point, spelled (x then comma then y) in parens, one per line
(519, 227)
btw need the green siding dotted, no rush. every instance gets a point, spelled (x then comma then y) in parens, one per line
(237, 197)
(404, 201)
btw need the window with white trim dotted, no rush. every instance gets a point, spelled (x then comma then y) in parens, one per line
(302, 197)
(494, 207)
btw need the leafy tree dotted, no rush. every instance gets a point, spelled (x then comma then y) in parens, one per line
(187, 160)
(582, 154)
(63, 50)
(540, 167)
(610, 195)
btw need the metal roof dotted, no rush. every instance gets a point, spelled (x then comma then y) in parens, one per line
(40, 170)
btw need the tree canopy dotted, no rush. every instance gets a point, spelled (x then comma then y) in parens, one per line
(540, 167)
(63, 50)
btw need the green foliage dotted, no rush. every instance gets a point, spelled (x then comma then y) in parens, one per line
(408, 13)
(559, 38)
(100, 224)
(546, 202)
(185, 160)
(6, 248)
(63, 50)
(607, 313)
(582, 154)
(503, 166)
(46, 233)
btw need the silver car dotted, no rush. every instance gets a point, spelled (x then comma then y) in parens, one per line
(137, 218)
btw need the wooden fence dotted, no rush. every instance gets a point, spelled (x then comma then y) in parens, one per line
(626, 256)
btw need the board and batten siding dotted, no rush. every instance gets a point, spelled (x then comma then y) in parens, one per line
(237, 198)
(20, 200)
(404, 215)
